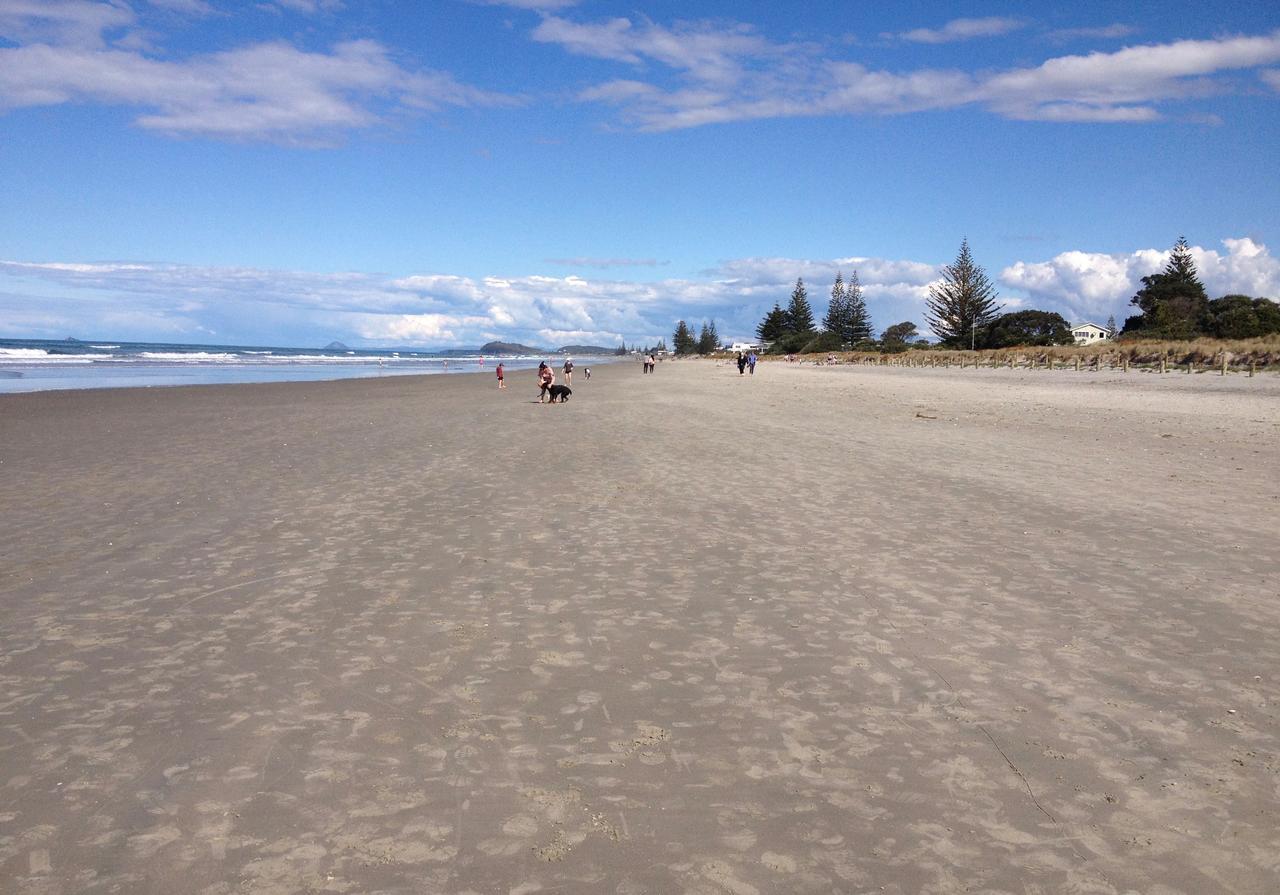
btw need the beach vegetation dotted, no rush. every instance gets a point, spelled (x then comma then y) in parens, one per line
(898, 337)
(1241, 317)
(708, 338)
(799, 314)
(683, 341)
(962, 302)
(1171, 304)
(1026, 328)
(773, 326)
(847, 314)
(823, 342)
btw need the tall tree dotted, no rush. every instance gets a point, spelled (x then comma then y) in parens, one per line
(962, 303)
(837, 310)
(1173, 303)
(1111, 327)
(799, 314)
(708, 338)
(683, 340)
(858, 315)
(774, 325)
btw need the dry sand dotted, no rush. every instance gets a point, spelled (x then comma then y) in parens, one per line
(820, 630)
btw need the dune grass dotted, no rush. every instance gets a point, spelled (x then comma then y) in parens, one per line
(1259, 353)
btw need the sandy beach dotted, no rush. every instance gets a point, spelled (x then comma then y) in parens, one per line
(817, 630)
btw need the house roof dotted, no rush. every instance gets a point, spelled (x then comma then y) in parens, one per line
(1087, 325)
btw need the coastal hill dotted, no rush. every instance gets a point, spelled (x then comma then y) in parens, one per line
(510, 348)
(336, 346)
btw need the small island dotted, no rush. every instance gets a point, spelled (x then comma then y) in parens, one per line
(335, 346)
(510, 348)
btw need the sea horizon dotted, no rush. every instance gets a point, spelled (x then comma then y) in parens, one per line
(32, 365)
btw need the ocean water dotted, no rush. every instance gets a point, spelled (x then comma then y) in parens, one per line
(28, 365)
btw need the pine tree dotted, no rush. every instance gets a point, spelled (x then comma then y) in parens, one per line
(962, 303)
(774, 325)
(1111, 327)
(837, 310)
(683, 340)
(708, 341)
(856, 309)
(1173, 303)
(799, 314)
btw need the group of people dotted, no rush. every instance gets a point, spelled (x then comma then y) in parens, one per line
(746, 361)
(547, 377)
(650, 362)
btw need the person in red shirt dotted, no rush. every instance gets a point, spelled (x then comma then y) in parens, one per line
(501, 382)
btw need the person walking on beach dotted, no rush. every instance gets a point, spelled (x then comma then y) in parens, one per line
(751, 362)
(501, 382)
(742, 363)
(568, 371)
(546, 379)
(653, 363)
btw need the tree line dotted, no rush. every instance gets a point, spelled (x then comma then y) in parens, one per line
(962, 311)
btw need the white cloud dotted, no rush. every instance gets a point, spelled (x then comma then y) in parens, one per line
(266, 91)
(74, 22)
(534, 5)
(1101, 32)
(1092, 285)
(310, 7)
(964, 29)
(605, 262)
(61, 298)
(703, 73)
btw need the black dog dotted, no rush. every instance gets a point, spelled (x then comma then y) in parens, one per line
(559, 391)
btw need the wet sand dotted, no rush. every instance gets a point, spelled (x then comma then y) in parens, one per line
(820, 630)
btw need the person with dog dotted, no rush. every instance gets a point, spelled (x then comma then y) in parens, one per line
(546, 379)
(568, 371)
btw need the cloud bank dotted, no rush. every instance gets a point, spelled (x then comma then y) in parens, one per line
(147, 301)
(693, 74)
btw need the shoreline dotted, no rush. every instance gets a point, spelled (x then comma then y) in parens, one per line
(820, 629)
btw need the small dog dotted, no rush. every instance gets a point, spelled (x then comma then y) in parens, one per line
(559, 391)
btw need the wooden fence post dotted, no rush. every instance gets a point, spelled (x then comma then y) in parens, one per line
(1253, 364)
(1077, 364)
(1224, 363)
(1124, 364)
(1164, 363)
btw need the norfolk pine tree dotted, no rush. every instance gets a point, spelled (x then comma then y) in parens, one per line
(1172, 303)
(837, 310)
(856, 309)
(799, 314)
(683, 340)
(962, 303)
(774, 325)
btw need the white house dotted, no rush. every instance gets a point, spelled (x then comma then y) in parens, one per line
(1088, 333)
(744, 346)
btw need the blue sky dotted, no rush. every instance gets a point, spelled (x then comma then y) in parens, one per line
(441, 173)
